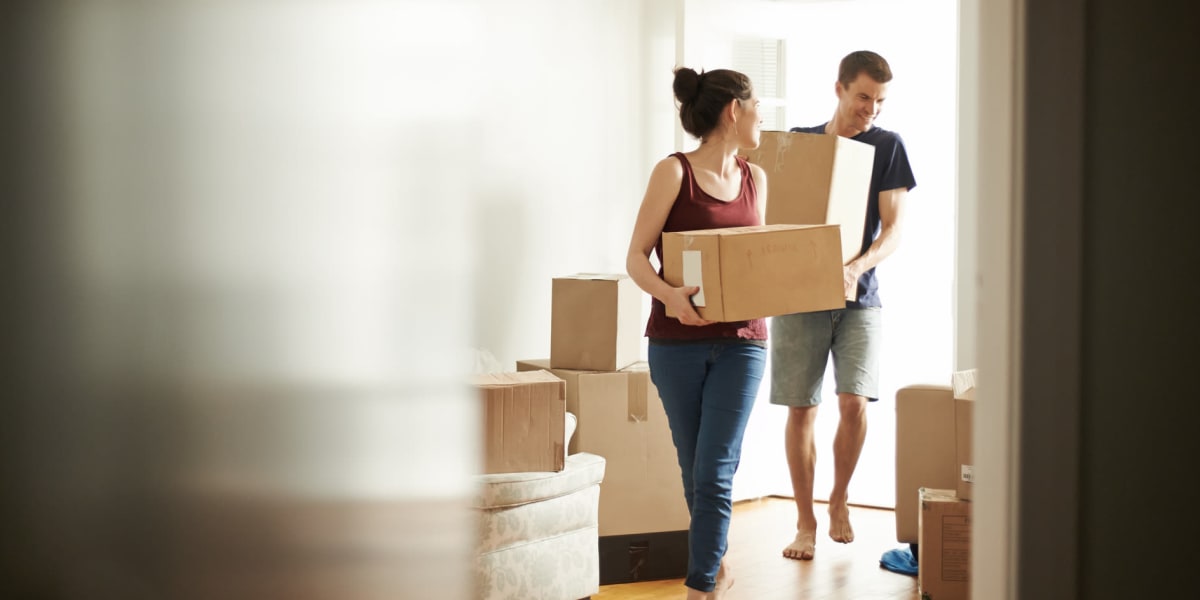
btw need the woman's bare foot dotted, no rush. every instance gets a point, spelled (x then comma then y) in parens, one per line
(724, 582)
(839, 523)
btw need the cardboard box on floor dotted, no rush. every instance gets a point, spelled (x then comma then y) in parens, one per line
(643, 521)
(817, 179)
(925, 450)
(621, 418)
(595, 322)
(524, 421)
(758, 271)
(963, 383)
(944, 553)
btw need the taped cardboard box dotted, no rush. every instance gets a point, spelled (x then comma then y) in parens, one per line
(595, 322)
(758, 271)
(944, 553)
(817, 179)
(925, 450)
(963, 383)
(643, 518)
(524, 421)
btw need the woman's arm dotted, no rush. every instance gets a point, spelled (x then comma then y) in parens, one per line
(760, 185)
(660, 196)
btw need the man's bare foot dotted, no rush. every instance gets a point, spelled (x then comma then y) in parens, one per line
(839, 523)
(724, 582)
(804, 546)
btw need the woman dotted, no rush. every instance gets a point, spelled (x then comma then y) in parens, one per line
(707, 373)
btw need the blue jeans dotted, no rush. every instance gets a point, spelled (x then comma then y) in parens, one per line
(707, 391)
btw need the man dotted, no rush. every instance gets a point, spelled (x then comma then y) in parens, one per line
(801, 343)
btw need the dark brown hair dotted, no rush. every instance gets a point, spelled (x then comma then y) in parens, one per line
(702, 96)
(863, 61)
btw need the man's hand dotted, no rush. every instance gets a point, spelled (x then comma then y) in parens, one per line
(850, 282)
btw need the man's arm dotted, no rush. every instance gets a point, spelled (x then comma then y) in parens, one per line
(891, 212)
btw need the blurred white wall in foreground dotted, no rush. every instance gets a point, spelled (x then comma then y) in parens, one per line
(241, 260)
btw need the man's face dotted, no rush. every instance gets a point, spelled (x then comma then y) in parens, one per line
(861, 101)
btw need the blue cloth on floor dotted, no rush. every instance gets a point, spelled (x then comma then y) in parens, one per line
(900, 560)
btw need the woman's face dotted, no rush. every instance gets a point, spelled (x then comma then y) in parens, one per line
(748, 134)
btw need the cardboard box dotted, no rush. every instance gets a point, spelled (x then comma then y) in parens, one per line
(643, 517)
(596, 322)
(817, 179)
(963, 383)
(621, 418)
(944, 553)
(759, 271)
(925, 451)
(524, 421)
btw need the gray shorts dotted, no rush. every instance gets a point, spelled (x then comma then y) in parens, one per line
(801, 344)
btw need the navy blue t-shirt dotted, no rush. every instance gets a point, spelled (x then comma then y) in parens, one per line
(891, 171)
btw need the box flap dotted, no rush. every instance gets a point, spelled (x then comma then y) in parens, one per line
(596, 276)
(963, 383)
(494, 380)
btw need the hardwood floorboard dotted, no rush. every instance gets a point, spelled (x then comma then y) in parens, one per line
(757, 535)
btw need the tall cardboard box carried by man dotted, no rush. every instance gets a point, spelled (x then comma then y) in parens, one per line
(524, 421)
(643, 517)
(757, 271)
(817, 179)
(595, 322)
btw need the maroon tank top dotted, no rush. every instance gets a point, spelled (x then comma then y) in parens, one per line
(695, 209)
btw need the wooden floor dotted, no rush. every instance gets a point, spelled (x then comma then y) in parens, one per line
(758, 533)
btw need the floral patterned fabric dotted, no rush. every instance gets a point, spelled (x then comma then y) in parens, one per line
(538, 536)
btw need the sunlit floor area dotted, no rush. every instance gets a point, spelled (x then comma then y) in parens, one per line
(760, 530)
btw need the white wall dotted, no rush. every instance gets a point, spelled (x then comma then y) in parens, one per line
(262, 229)
(575, 114)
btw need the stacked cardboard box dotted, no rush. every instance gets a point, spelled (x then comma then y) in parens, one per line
(524, 420)
(934, 481)
(595, 349)
(643, 518)
(595, 322)
(944, 553)
(963, 384)
(925, 448)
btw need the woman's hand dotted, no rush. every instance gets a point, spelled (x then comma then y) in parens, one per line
(680, 303)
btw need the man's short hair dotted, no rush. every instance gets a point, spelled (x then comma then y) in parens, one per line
(863, 61)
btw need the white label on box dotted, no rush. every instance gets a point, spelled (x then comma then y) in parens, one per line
(692, 275)
(968, 474)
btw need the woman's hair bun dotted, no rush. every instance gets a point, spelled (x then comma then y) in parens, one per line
(687, 84)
